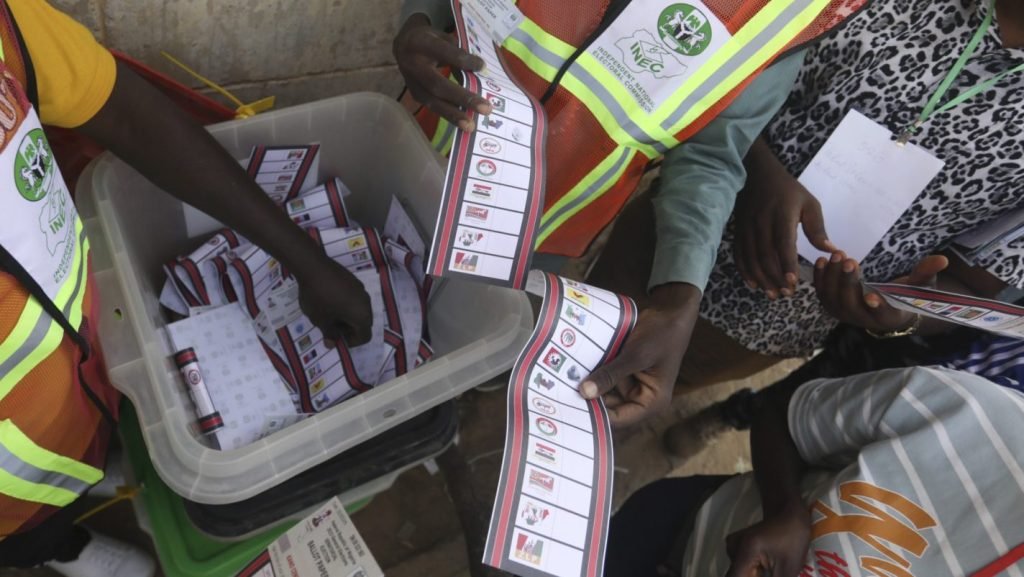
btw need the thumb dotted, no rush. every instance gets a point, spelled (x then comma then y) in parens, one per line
(610, 374)
(813, 222)
(925, 272)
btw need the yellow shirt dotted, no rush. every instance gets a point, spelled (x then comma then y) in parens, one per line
(74, 74)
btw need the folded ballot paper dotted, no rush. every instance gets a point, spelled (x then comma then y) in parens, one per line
(241, 303)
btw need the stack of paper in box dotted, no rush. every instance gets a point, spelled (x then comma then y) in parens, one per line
(241, 304)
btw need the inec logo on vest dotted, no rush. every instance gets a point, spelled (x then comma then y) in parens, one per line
(684, 30)
(36, 178)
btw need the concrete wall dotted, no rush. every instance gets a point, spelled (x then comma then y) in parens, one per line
(297, 50)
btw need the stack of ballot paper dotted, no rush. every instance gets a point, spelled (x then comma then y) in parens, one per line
(228, 272)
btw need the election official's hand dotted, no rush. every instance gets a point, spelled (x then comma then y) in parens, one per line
(838, 284)
(768, 211)
(336, 302)
(775, 547)
(639, 381)
(419, 50)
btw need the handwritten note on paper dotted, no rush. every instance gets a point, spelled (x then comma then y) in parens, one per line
(864, 181)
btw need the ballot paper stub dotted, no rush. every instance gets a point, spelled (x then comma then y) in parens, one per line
(494, 189)
(553, 505)
(982, 314)
(325, 544)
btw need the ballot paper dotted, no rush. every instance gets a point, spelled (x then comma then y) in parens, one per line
(554, 496)
(244, 387)
(195, 278)
(983, 314)
(864, 181)
(325, 544)
(321, 207)
(494, 189)
(283, 172)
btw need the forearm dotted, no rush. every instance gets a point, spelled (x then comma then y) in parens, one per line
(778, 467)
(165, 145)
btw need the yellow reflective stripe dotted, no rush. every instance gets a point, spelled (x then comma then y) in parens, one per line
(26, 322)
(614, 86)
(442, 135)
(532, 61)
(24, 448)
(759, 59)
(549, 41)
(35, 492)
(750, 30)
(54, 332)
(605, 117)
(592, 187)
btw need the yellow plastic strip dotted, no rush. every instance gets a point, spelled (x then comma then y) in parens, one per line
(242, 109)
(27, 450)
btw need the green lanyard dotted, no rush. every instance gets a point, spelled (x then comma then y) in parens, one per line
(933, 107)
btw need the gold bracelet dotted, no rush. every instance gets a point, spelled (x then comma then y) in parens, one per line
(899, 332)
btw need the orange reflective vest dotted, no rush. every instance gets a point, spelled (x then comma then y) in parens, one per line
(56, 406)
(621, 91)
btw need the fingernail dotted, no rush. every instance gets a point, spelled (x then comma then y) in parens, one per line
(848, 266)
(772, 295)
(872, 303)
(464, 125)
(786, 292)
(751, 285)
(588, 390)
(820, 263)
(791, 278)
(836, 257)
(470, 126)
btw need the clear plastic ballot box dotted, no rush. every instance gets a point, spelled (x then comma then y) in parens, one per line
(375, 147)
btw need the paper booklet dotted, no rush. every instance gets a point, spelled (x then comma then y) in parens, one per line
(554, 496)
(494, 190)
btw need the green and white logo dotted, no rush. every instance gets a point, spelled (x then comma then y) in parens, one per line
(33, 166)
(685, 29)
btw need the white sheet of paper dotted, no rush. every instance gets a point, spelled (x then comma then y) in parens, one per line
(399, 226)
(864, 181)
(243, 384)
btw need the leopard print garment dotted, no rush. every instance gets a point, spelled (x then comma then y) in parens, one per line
(886, 63)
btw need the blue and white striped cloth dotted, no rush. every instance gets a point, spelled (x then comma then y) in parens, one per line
(998, 359)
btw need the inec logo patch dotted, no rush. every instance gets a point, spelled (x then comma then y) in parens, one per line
(685, 29)
(33, 166)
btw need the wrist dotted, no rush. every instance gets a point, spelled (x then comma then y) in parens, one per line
(791, 507)
(676, 297)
